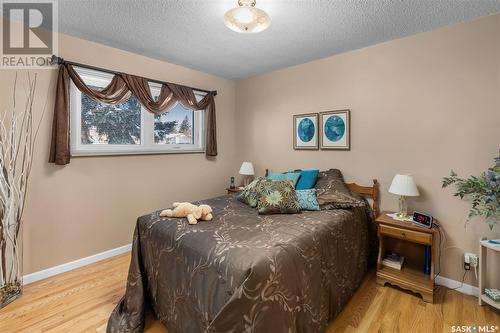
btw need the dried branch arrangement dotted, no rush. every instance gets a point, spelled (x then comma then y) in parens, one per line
(17, 140)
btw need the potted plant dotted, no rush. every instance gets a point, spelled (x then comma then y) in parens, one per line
(483, 191)
(17, 139)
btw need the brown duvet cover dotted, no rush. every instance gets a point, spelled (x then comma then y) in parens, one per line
(244, 272)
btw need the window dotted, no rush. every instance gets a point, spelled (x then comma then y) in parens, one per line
(128, 128)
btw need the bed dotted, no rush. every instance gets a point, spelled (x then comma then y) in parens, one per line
(245, 272)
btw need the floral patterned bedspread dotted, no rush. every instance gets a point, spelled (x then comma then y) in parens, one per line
(244, 272)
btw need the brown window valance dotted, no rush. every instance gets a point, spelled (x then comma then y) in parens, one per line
(121, 87)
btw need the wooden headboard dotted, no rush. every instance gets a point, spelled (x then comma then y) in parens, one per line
(370, 191)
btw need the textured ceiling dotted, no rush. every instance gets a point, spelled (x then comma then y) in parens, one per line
(192, 33)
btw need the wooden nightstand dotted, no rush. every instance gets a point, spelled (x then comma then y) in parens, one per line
(408, 240)
(234, 190)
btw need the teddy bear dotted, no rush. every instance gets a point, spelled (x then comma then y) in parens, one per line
(192, 212)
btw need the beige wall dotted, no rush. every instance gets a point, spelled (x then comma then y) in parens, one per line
(423, 105)
(436, 95)
(91, 205)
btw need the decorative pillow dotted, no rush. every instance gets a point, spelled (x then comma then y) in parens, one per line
(277, 197)
(307, 179)
(290, 176)
(333, 193)
(307, 199)
(250, 193)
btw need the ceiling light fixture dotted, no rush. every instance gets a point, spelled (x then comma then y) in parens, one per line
(246, 18)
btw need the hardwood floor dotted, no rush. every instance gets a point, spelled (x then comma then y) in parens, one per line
(81, 301)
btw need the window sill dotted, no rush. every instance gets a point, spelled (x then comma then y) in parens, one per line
(153, 152)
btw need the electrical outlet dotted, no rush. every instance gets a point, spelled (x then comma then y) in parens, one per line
(470, 260)
(474, 261)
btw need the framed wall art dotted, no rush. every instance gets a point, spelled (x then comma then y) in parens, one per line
(305, 131)
(335, 129)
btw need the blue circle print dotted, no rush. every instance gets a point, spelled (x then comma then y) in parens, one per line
(334, 128)
(306, 130)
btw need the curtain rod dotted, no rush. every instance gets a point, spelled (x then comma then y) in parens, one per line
(58, 60)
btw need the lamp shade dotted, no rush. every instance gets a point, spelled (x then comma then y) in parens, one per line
(404, 185)
(247, 169)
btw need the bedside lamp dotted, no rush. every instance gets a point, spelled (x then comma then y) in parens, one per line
(404, 186)
(247, 171)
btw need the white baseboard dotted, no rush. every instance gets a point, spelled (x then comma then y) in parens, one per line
(30, 278)
(452, 284)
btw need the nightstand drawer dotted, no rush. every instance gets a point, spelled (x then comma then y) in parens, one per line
(409, 235)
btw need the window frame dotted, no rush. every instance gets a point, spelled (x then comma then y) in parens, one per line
(147, 145)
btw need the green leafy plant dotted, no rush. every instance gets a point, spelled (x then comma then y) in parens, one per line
(483, 191)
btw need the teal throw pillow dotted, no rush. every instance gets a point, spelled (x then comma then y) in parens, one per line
(291, 176)
(307, 179)
(307, 199)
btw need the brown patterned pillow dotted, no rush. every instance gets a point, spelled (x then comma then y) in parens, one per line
(250, 194)
(277, 197)
(333, 193)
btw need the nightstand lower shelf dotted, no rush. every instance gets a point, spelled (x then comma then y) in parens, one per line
(409, 278)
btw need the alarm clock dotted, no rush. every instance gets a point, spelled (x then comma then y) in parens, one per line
(422, 219)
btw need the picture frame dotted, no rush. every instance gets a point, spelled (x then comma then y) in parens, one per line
(305, 131)
(335, 130)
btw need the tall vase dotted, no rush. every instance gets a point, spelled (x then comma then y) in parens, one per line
(11, 256)
(17, 142)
